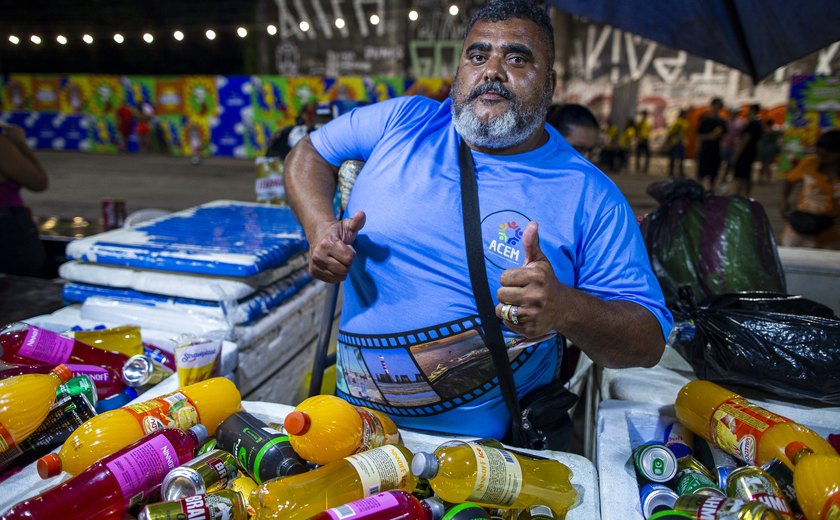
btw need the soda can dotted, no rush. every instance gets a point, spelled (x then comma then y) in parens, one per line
(244, 485)
(79, 385)
(689, 463)
(679, 439)
(113, 213)
(655, 498)
(655, 462)
(140, 370)
(208, 472)
(702, 506)
(693, 482)
(224, 504)
(753, 483)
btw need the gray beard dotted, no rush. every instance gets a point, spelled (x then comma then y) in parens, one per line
(508, 130)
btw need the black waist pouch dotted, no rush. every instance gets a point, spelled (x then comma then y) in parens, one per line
(545, 423)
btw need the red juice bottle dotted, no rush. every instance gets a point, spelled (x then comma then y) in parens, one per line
(107, 384)
(111, 486)
(24, 344)
(389, 505)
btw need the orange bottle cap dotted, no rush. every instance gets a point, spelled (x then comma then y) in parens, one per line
(793, 447)
(64, 373)
(49, 465)
(296, 423)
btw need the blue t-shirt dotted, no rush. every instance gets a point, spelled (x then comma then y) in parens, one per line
(408, 340)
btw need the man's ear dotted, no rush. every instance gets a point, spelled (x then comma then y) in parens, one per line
(553, 80)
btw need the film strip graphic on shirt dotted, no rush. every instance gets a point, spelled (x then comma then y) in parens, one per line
(420, 372)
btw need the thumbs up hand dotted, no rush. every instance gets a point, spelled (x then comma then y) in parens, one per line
(531, 294)
(331, 251)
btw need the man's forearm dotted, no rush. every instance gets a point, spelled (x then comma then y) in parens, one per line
(614, 334)
(310, 186)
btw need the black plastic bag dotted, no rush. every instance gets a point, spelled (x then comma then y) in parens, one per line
(714, 244)
(781, 344)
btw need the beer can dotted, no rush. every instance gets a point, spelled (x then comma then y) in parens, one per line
(670, 514)
(244, 485)
(113, 213)
(784, 478)
(689, 463)
(208, 472)
(655, 462)
(224, 504)
(140, 370)
(655, 498)
(753, 483)
(693, 482)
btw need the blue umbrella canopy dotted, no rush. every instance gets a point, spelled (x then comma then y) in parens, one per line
(753, 36)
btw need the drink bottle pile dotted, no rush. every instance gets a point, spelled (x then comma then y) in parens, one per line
(728, 458)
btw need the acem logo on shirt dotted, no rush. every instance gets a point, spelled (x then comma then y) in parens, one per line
(502, 233)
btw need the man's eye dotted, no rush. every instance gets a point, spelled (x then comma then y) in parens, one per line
(478, 58)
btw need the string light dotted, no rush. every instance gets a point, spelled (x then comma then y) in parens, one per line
(35, 39)
(119, 38)
(412, 15)
(210, 34)
(88, 39)
(374, 19)
(14, 39)
(61, 39)
(178, 35)
(304, 26)
(339, 22)
(453, 10)
(148, 38)
(242, 32)
(272, 29)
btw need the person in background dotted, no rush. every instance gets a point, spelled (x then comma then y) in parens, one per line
(609, 154)
(746, 152)
(577, 124)
(710, 131)
(643, 142)
(125, 125)
(676, 140)
(625, 144)
(23, 253)
(283, 140)
(564, 252)
(730, 140)
(814, 220)
(768, 150)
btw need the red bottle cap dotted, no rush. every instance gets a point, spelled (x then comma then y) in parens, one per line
(296, 423)
(793, 447)
(49, 465)
(64, 373)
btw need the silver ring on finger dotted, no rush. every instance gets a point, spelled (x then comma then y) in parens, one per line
(506, 311)
(514, 314)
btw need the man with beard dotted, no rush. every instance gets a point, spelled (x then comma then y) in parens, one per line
(409, 340)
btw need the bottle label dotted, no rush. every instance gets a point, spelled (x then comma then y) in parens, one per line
(498, 478)
(831, 510)
(141, 470)
(737, 426)
(44, 345)
(169, 411)
(366, 507)
(97, 374)
(373, 433)
(6, 440)
(380, 469)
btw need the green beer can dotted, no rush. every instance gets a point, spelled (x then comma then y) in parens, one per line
(208, 472)
(655, 462)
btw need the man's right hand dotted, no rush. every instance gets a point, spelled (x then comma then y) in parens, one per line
(331, 251)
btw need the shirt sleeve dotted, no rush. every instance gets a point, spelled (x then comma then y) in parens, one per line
(614, 265)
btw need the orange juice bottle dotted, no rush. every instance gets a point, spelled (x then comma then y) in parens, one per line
(335, 484)
(742, 429)
(25, 401)
(208, 402)
(816, 480)
(125, 339)
(325, 428)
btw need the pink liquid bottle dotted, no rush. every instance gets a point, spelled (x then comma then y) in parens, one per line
(111, 486)
(24, 344)
(389, 505)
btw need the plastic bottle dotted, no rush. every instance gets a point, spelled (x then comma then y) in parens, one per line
(388, 505)
(816, 479)
(334, 484)
(262, 452)
(208, 402)
(325, 428)
(67, 414)
(742, 429)
(493, 477)
(78, 385)
(25, 402)
(125, 339)
(108, 488)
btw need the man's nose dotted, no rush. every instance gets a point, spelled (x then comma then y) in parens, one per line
(494, 69)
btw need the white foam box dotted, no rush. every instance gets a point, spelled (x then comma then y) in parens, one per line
(584, 475)
(624, 425)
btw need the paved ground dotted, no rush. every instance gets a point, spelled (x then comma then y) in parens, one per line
(79, 182)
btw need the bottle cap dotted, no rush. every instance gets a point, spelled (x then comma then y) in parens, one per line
(49, 465)
(424, 465)
(296, 423)
(63, 373)
(436, 507)
(201, 432)
(793, 447)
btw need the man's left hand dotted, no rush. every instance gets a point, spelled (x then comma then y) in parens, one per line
(533, 289)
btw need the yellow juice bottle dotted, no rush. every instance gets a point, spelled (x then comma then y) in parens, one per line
(125, 339)
(816, 479)
(335, 484)
(208, 402)
(325, 428)
(495, 478)
(25, 401)
(742, 429)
